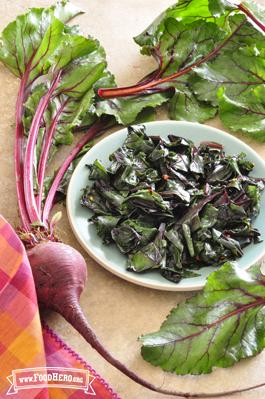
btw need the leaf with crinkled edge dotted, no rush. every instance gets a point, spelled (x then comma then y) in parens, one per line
(80, 78)
(215, 328)
(178, 46)
(181, 45)
(75, 91)
(188, 43)
(127, 109)
(219, 7)
(72, 117)
(245, 114)
(185, 11)
(184, 106)
(37, 29)
(238, 73)
(239, 68)
(65, 11)
(70, 48)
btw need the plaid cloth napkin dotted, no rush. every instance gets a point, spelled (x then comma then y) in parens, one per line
(30, 352)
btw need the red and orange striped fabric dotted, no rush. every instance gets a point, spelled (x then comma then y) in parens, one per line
(24, 342)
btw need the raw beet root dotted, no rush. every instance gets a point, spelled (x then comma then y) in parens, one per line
(57, 285)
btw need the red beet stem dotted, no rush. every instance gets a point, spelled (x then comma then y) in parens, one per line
(91, 133)
(74, 315)
(140, 88)
(249, 14)
(33, 213)
(18, 151)
(45, 153)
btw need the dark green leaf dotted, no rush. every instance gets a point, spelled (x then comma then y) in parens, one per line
(97, 171)
(146, 231)
(201, 46)
(215, 328)
(208, 216)
(74, 97)
(188, 43)
(126, 110)
(126, 238)
(187, 235)
(219, 7)
(104, 226)
(112, 196)
(175, 189)
(149, 202)
(92, 200)
(34, 35)
(176, 248)
(246, 113)
(239, 72)
(185, 106)
(137, 140)
(186, 11)
(151, 256)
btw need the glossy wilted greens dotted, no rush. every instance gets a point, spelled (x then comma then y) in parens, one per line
(173, 207)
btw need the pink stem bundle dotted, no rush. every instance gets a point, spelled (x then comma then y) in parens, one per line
(30, 203)
(18, 150)
(45, 154)
(33, 212)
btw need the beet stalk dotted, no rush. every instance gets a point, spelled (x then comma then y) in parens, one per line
(153, 84)
(251, 16)
(29, 153)
(150, 85)
(45, 154)
(18, 151)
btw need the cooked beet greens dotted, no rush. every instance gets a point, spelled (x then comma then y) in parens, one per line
(174, 207)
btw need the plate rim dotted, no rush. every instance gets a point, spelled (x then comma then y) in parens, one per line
(133, 279)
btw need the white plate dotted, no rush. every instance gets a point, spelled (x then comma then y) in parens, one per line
(109, 256)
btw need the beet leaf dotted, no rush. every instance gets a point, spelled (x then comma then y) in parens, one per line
(215, 328)
(126, 110)
(30, 39)
(59, 69)
(246, 113)
(203, 48)
(20, 42)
